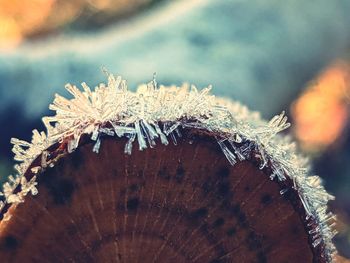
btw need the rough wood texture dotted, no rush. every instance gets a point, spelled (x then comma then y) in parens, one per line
(181, 203)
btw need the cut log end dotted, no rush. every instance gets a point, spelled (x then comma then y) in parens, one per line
(183, 203)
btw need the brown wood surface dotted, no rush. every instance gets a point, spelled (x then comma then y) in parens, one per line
(181, 203)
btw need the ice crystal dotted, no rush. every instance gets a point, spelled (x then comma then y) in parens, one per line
(97, 145)
(128, 145)
(113, 110)
(229, 155)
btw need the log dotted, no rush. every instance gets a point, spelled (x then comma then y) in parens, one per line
(192, 198)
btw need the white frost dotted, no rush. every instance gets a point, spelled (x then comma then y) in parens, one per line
(113, 110)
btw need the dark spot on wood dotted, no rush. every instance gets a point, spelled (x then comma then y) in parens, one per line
(235, 210)
(164, 174)
(132, 204)
(253, 241)
(180, 173)
(71, 230)
(217, 260)
(261, 257)
(266, 199)
(247, 188)
(77, 158)
(223, 172)
(223, 189)
(231, 231)
(225, 205)
(242, 219)
(10, 243)
(207, 187)
(61, 189)
(218, 222)
(133, 187)
(200, 213)
(295, 230)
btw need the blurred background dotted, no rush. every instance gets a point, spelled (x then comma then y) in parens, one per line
(271, 55)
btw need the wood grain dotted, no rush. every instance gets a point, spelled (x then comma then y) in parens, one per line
(181, 203)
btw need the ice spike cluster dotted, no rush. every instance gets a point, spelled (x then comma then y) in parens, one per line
(113, 110)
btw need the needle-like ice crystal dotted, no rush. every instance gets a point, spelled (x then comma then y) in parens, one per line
(156, 114)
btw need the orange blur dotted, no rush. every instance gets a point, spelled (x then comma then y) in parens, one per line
(20, 18)
(321, 113)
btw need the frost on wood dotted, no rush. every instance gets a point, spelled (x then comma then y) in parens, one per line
(157, 115)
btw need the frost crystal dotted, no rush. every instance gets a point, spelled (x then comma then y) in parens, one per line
(113, 110)
(229, 155)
